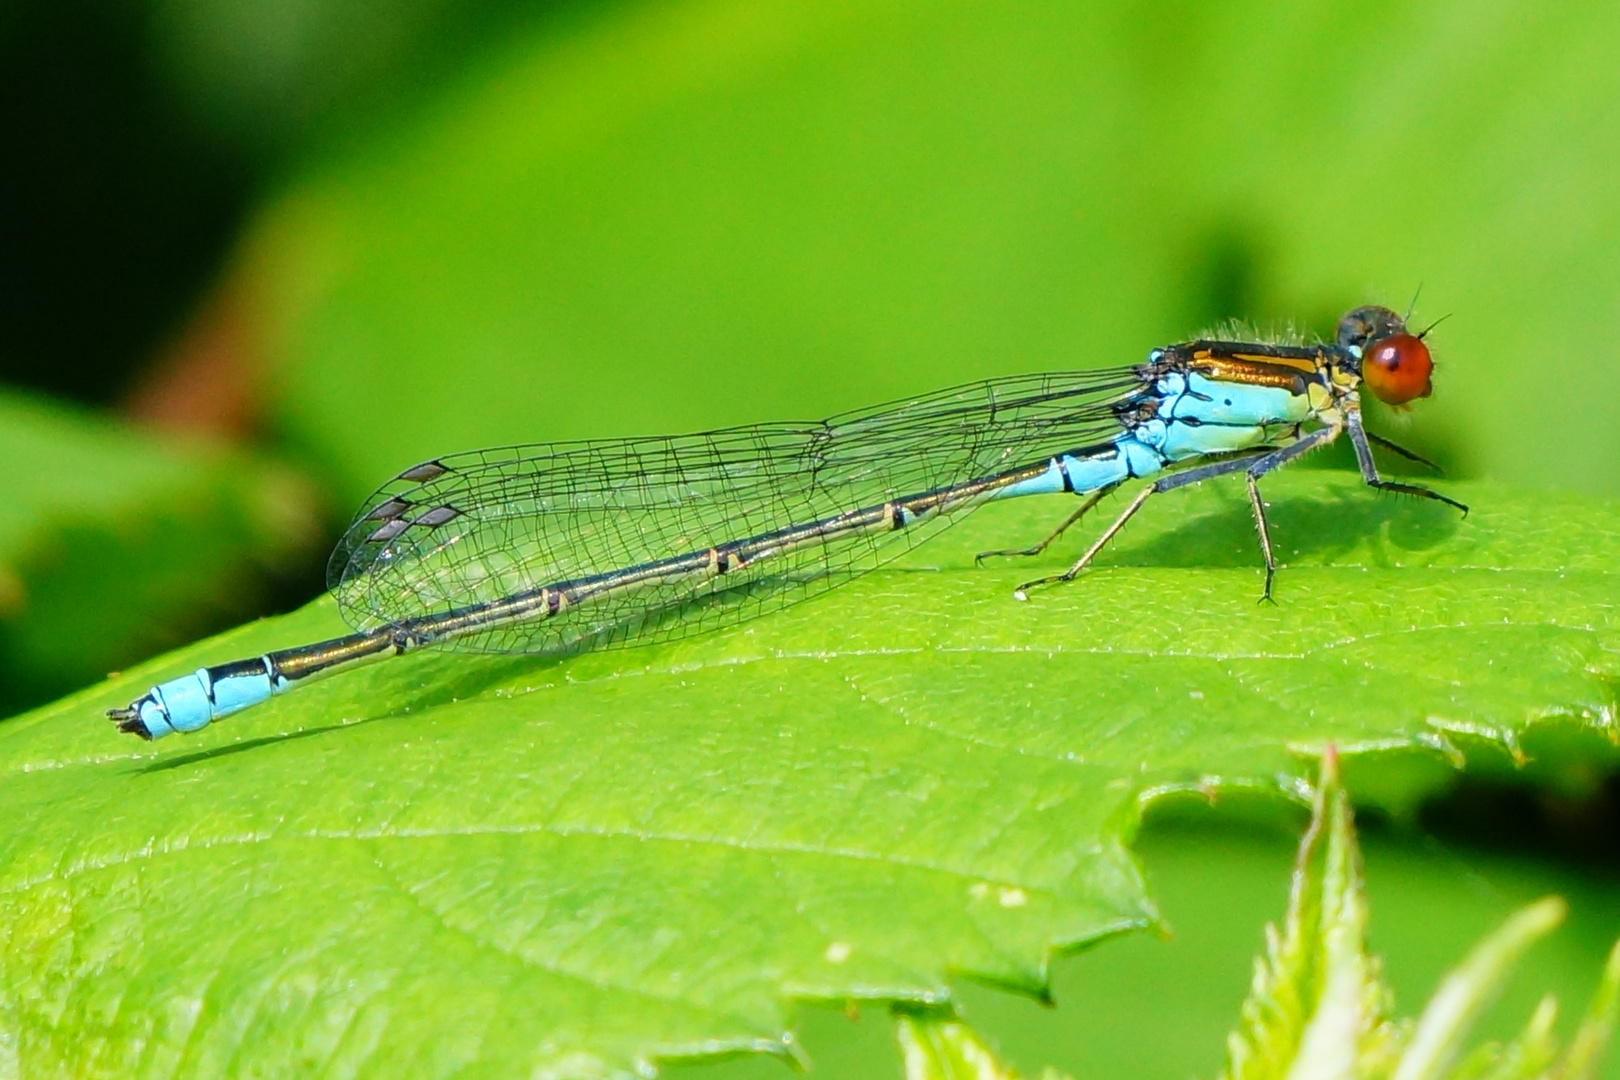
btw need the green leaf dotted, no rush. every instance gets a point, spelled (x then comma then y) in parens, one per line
(938, 1047)
(1438, 1036)
(580, 866)
(1318, 1009)
(1164, 1005)
(1597, 1026)
(114, 545)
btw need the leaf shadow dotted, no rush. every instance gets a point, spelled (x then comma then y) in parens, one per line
(197, 757)
(1308, 529)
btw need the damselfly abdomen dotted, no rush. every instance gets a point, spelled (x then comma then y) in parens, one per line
(550, 547)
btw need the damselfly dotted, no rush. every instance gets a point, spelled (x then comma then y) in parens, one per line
(554, 547)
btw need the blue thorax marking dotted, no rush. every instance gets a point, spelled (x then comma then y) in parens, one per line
(1195, 415)
(1209, 401)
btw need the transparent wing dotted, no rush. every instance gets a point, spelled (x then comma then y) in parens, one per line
(475, 527)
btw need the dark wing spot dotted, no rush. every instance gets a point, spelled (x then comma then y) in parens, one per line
(428, 470)
(388, 531)
(437, 516)
(390, 509)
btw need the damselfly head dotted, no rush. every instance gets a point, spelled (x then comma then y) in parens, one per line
(1364, 325)
(1395, 364)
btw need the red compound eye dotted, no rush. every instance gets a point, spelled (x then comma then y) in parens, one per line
(1396, 369)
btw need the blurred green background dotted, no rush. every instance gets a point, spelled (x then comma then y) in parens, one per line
(259, 256)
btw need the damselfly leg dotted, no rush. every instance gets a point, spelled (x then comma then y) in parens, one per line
(1085, 507)
(1163, 484)
(1269, 463)
(1359, 438)
(1254, 467)
(1397, 448)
